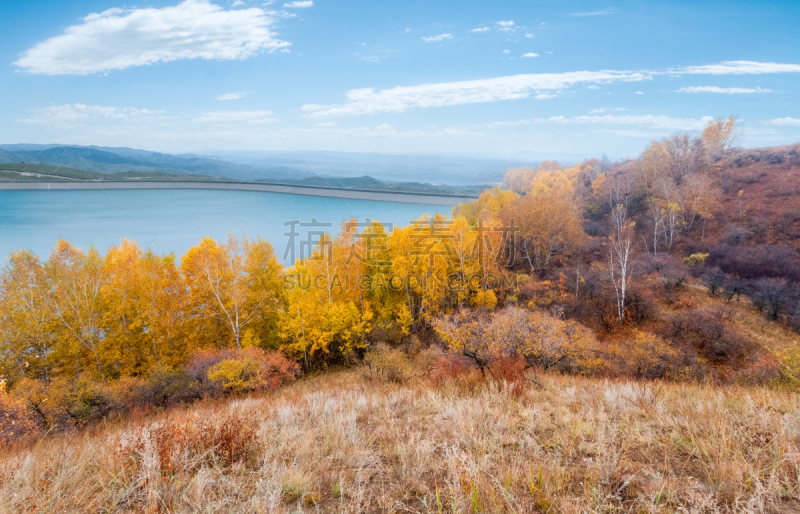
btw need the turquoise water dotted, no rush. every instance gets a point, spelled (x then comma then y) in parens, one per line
(174, 220)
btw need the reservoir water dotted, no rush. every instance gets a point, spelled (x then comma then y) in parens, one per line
(174, 220)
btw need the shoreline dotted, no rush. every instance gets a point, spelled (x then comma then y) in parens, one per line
(335, 192)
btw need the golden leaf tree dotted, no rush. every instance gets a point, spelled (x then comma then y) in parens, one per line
(719, 135)
(237, 283)
(550, 219)
(76, 302)
(28, 336)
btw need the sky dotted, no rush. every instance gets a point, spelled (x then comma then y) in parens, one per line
(500, 79)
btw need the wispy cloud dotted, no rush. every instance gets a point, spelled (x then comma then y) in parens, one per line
(784, 121)
(68, 114)
(234, 117)
(115, 38)
(480, 29)
(440, 37)
(299, 4)
(402, 98)
(506, 25)
(602, 12)
(530, 54)
(601, 110)
(231, 96)
(544, 85)
(648, 120)
(722, 90)
(739, 68)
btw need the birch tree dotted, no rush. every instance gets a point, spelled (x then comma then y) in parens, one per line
(237, 282)
(620, 252)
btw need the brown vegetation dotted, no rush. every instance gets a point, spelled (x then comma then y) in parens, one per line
(495, 351)
(338, 443)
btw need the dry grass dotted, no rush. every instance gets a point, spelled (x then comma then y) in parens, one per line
(339, 443)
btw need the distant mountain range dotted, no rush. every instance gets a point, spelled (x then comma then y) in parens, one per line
(120, 160)
(277, 166)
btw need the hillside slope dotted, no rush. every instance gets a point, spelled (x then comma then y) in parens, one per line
(769, 204)
(339, 443)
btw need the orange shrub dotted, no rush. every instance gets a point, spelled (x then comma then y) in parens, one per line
(645, 356)
(272, 369)
(16, 419)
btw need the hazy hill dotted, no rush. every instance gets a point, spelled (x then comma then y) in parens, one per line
(279, 166)
(438, 169)
(27, 172)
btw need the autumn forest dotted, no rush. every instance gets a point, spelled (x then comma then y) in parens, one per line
(681, 266)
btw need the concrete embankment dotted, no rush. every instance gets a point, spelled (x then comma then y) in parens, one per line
(357, 194)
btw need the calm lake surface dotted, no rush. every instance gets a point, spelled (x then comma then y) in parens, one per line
(174, 220)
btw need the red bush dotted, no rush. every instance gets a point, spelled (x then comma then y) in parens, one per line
(762, 371)
(509, 369)
(449, 367)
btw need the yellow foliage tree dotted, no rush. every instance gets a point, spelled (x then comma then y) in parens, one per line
(550, 219)
(237, 283)
(28, 337)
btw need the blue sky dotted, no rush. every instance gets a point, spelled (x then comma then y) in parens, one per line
(485, 78)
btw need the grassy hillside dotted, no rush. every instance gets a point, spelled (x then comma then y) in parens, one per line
(24, 172)
(44, 173)
(345, 443)
(41, 172)
(118, 160)
(571, 383)
(768, 207)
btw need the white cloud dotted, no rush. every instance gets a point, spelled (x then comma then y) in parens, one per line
(601, 110)
(231, 96)
(592, 87)
(648, 134)
(739, 68)
(480, 29)
(440, 37)
(506, 51)
(528, 34)
(402, 98)
(530, 54)
(299, 4)
(603, 12)
(237, 3)
(649, 120)
(784, 121)
(66, 115)
(117, 38)
(234, 117)
(722, 90)
(541, 86)
(506, 26)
